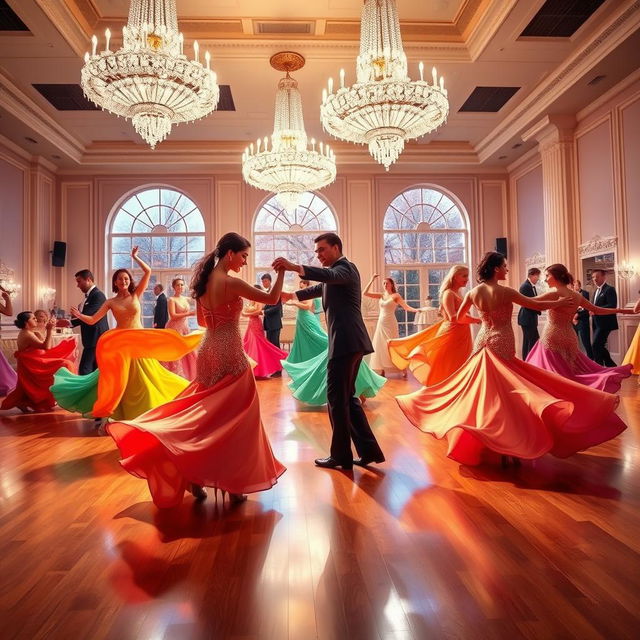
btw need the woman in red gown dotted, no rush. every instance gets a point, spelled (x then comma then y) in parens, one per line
(499, 403)
(211, 434)
(37, 362)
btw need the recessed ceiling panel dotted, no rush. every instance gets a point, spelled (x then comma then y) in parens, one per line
(561, 18)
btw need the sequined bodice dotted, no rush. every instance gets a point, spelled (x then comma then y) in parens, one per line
(496, 332)
(221, 352)
(559, 336)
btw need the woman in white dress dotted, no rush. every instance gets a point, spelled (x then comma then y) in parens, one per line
(387, 327)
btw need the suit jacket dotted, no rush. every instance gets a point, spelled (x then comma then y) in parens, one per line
(341, 299)
(272, 320)
(608, 298)
(160, 312)
(89, 333)
(583, 316)
(527, 317)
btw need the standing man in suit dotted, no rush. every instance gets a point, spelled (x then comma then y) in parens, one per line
(348, 343)
(605, 296)
(160, 311)
(581, 321)
(89, 334)
(272, 322)
(528, 318)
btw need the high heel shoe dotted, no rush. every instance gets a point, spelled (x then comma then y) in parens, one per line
(237, 498)
(198, 492)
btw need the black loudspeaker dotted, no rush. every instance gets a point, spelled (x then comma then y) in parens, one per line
(58, 254)
(501, 246)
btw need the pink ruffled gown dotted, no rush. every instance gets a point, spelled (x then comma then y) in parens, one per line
(8, 377)
(496, 402)
(186, 366)
(212, 433)
(258, 348)
(557, 350)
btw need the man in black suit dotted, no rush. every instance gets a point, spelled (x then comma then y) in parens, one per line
(581, 321)
(93, 300)
(348, 343)
(528, 318)
(272, 321)
(605, 296)
(160, 311)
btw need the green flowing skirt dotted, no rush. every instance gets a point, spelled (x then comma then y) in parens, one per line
(310, 338)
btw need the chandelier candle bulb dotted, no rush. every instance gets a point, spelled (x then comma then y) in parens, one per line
(442, 82)
(107, 35)
(207, 59)
(421, 68)
(313, 145)
(258, 144)
(434, 75)
(196, 50)
(251, 148)
(94, 44)
(181, 42)
(324, 96)
(342, 78)
(86, 57)
(330, 84)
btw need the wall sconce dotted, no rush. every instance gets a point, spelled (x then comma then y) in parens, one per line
(48, 296)
(626, 270)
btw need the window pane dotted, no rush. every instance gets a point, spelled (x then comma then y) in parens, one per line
(196, 243)
(142, 224)
(194, 221)
(178, 260)
(121, 245)
(193, 257)
(122, 223)
(149, 198)
(121, 261)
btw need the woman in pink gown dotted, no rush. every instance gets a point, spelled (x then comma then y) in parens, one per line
(179, 314)
(266, 355)
(211, 434)
(557, 349)
(496, 402)
(8, 377)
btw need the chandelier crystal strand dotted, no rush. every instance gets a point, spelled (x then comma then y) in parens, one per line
(149, 80)
(290, 167)
(384, 107)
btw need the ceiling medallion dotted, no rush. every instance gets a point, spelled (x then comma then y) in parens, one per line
(149, 80)
(384, 107)
(292, 165)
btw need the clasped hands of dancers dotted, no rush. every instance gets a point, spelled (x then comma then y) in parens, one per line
(180, 436)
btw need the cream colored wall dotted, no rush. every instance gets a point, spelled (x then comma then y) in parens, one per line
(359, 201)
(607, 191)
(27, 223)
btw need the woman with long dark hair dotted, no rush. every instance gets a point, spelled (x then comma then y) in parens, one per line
(129, 379)
(37, 362)
(496, 402)
(557, 349)
(211, 434)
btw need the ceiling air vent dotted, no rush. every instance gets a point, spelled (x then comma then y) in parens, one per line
(561, 18)
(9, 21)
(66, 97)
(488, 99)
(283, 28)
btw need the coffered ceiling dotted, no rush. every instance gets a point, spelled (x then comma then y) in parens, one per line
(473, 43)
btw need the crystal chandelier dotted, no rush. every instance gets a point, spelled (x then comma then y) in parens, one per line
(626, 270)
(383, 108)
(149, 79)
(291, 166)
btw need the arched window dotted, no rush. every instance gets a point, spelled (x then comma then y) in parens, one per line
(425, 233)
(279, 233)
(169, 229)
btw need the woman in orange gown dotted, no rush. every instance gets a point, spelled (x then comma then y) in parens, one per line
(436, 352)
(211, 434)
(37, 362)
(496, 402)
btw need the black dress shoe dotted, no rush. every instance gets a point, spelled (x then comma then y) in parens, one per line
(365, 462)
(330, 463)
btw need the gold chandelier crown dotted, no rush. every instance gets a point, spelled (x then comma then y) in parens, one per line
(149, 80)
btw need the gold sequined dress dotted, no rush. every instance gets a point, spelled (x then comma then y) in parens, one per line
(212, 433)
(496, 402)
(557, 351)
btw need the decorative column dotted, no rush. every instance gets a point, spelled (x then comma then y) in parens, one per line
(554, 135)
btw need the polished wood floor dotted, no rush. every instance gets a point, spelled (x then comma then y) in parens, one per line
(417, 548)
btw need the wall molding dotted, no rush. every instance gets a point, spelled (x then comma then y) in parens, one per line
(597, 245)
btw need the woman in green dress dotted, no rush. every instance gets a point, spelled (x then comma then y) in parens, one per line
(307, 361)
